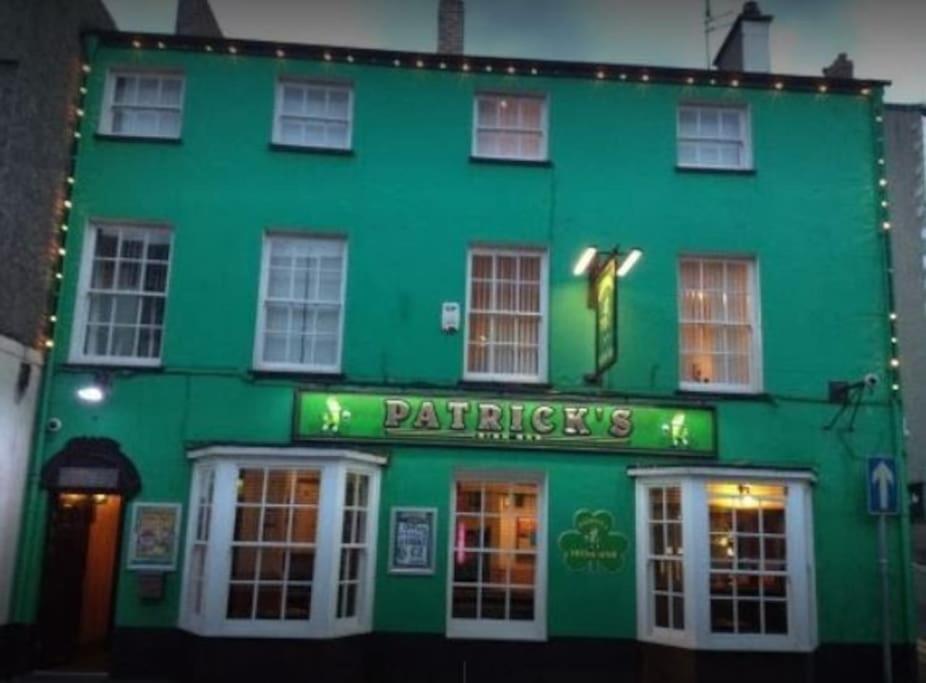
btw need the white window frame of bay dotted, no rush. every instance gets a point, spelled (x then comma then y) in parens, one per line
(82, 305)
(325, 245)
(495, 252)
(206, 613)
(695, 631)
(502, 629)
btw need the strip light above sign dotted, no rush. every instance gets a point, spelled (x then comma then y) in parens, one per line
(515, 422)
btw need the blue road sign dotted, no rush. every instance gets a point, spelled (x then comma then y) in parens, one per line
(881, 484)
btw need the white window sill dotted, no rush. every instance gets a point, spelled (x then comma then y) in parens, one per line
(523, 161)
(718, 169)
(495, 630)
(709, 388)
(136, 137)
(293, 368)
(116, 361)
(507, 379)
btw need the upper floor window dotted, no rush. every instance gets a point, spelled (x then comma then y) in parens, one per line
(313, 114)
(300, 318)
(719, 331)
(506, 331)
(510, 127)
(711, 136)
(144, 104)
(119, 316)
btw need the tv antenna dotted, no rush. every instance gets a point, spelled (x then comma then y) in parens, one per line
(712, 23)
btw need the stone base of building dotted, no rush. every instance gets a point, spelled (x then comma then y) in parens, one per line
(419, 658)
(414, 658)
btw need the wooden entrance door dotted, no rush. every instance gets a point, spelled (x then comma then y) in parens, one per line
(81, 558)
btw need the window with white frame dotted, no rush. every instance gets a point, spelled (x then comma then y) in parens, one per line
(745, 578)
(313, 114)
(354, 544)
(496, 582)
(144, 104)
(714, 136)
(288, 547)
(506, 337)
(509, 126)
(665, 557)
(300, 320)
(273, 545)
(119, 316)
(719, 332)
(199, 545)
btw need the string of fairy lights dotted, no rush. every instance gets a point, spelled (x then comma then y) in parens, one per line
(884, 227)
(487, 65)
(59, 244)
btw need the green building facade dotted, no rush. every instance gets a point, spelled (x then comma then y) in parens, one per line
(350, 420)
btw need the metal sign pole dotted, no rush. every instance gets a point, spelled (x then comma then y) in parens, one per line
(885, 600)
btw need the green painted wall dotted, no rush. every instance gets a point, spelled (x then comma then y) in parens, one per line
(410, 202)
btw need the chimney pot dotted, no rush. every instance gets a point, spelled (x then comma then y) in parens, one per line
(450, 17)
(842, 67)
(746, 47)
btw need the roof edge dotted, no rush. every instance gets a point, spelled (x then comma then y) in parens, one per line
(602, 71)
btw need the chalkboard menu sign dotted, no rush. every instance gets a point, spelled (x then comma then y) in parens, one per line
(412, 539)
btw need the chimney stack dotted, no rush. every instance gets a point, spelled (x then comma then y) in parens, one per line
(450, 27)
(746, 47)
(842, 67)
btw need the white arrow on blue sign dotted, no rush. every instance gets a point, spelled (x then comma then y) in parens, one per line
(882, 485)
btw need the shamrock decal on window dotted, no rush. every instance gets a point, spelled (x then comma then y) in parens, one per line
(591, 545)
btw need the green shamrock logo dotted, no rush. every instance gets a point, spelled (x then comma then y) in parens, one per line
(591, 545)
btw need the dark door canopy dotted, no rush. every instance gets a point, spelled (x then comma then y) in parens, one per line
(91, 464)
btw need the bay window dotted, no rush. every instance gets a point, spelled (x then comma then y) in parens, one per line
(281, 543)
(726, 558)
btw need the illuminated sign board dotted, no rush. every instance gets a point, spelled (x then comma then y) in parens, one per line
(515, 422)
(606, 316)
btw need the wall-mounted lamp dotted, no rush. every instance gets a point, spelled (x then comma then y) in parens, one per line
(585, 260)
(94, 391)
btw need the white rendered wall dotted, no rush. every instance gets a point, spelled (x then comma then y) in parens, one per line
(17, 413)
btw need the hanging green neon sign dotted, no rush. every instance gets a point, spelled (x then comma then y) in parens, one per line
(515, 422)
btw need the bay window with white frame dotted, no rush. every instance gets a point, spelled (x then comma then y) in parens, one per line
(506, 324)
(725, 559)
(714, 136)
(510, 126)
(281, 543)
(142, 104)
(300, 318)
(497, 555)
(719, 331)
(122, 294)
(315, 114)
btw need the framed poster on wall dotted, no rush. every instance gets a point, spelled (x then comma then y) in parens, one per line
(155, 536)
(412, 535)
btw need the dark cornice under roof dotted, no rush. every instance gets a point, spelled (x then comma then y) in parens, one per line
(477, 64)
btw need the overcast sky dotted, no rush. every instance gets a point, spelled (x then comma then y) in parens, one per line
(885, 38)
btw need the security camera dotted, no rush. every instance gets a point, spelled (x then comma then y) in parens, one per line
(871, 380)
(54, 424)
